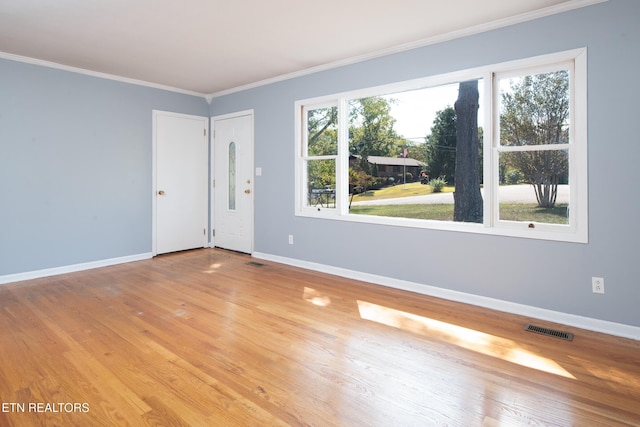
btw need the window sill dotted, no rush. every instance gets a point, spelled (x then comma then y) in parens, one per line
(504, 229)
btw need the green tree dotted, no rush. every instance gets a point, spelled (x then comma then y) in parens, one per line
(322, 130)
(417, 151)
(441, 146)
(371, 131)
(536, 112)
(321, 173)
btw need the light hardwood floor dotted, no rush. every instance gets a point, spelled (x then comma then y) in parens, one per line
(209, 338)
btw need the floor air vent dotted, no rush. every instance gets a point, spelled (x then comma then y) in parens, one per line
(549, 332)
(255, 264)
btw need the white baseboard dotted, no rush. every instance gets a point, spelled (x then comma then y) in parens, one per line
(71, 268)
(612, 328)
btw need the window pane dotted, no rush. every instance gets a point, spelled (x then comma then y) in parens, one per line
(232, 176)
(534, 109)
(321, 182)
(322, 131)
(535, 186)
(403, 152)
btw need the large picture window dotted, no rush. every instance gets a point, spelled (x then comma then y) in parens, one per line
(498, 150)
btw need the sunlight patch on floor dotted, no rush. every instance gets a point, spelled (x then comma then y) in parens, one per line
(316, 298)
(622, 378)
(213, 268)
(470, 339)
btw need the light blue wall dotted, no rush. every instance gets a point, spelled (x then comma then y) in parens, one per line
(75, 166)
(544, 274)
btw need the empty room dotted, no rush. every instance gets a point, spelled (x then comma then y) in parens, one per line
(413, 213)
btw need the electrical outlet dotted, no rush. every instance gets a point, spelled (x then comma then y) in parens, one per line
(291, 239)
(597, 285)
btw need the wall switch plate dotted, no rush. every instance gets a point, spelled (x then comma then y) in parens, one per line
(291, 239)
(597, 285)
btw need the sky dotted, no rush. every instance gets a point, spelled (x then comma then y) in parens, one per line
(416, 110)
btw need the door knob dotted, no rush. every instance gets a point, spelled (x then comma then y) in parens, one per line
(247, 191)
(161, 193)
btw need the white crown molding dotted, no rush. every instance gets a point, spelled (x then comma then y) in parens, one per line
(493, 25)
(48, 64)
(10, 278)
(551, 10)
(596, 325)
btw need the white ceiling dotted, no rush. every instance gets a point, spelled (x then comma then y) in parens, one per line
(214, 46)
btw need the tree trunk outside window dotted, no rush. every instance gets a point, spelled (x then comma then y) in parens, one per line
(467, 196)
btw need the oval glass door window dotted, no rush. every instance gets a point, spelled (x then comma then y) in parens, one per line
(232, 176)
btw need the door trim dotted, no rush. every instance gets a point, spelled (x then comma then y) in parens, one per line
(154, 170)
(212, 150)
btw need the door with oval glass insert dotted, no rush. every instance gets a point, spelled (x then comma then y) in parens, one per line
(233, 182)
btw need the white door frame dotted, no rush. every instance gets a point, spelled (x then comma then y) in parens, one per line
(212, 170)
(154, 173)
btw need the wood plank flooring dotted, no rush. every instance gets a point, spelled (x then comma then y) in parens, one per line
(210, 338)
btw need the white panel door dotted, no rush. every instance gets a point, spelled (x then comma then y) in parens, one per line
(233, 190)
(180, 184)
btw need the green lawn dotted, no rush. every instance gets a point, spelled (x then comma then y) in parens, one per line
(533, 213)
(395, 191)
(440, 212)
(444, 212)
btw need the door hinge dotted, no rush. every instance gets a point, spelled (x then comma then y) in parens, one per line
(204, 231)
(205, 132)
(213, 232)
(213, 183)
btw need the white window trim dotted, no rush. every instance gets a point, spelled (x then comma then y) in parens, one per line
(576, 232)
(302, 159)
